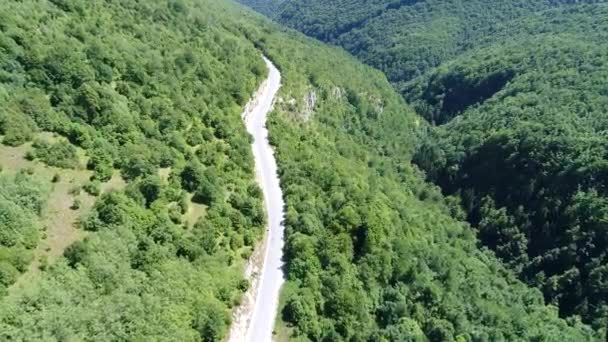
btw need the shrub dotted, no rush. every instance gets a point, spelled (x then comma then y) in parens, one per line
(44, 263)
(8, 273)
(93, 188)
(60, 154)
(76, 205)
(30, 155)
(75, 253)
(17, 129)
(17, 226)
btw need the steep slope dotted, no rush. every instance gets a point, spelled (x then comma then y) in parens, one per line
(372, 252)
(154, 89)
(527, 151)
(403, 38)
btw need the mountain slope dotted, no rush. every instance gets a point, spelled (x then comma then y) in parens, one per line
(529, 156)
(403, 38)
(155, 90)
(519, 89)
(373, 252)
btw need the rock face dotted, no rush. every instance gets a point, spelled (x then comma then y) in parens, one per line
(310, 99)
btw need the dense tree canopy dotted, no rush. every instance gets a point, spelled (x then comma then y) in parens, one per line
(403, 38)
(518, 91)
(373, 252)
(136, 86)
(528, 157)
(155, 89)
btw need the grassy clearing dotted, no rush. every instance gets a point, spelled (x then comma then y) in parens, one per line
(195, 211)
(60, 217)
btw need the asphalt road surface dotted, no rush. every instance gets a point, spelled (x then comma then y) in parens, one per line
(266, 296)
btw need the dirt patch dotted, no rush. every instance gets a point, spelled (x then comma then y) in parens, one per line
(164, 173)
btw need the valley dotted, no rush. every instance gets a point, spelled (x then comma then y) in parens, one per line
(514, 95)
(190, 170)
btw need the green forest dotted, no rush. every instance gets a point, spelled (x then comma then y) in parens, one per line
(404, 38)
(524, 145)
(515, 93)
(390, 234)
(139, 87)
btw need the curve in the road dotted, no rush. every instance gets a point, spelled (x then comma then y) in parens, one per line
(257, 322)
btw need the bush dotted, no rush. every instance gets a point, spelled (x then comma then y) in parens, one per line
(76, 204)
(43, 263)
(8, 274)
(60, 154)
(211, 322)
(17, 129)
(30, 155)
(75, 253)
(17, 226)
(150, 188)
(175, 214)
(102, 172)
(93, 188)
(243, 285)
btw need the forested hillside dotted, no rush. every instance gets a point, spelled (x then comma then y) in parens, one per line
(527, 151)
(518, 92)
(153, 91)
(373, 252)
(403, 38)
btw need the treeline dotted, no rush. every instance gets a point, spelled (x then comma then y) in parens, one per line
(524, 147)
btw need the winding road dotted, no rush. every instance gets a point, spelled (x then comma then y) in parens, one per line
(254, 319)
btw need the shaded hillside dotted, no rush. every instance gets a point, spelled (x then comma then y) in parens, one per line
(372, 251)
(529, 158)
(525, 82)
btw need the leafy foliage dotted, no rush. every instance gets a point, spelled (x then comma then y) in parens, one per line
(520, 89)
(373, 252)
(529, 161)
(137, 86)
(61, 154)
(22, 198)
(403, 38)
